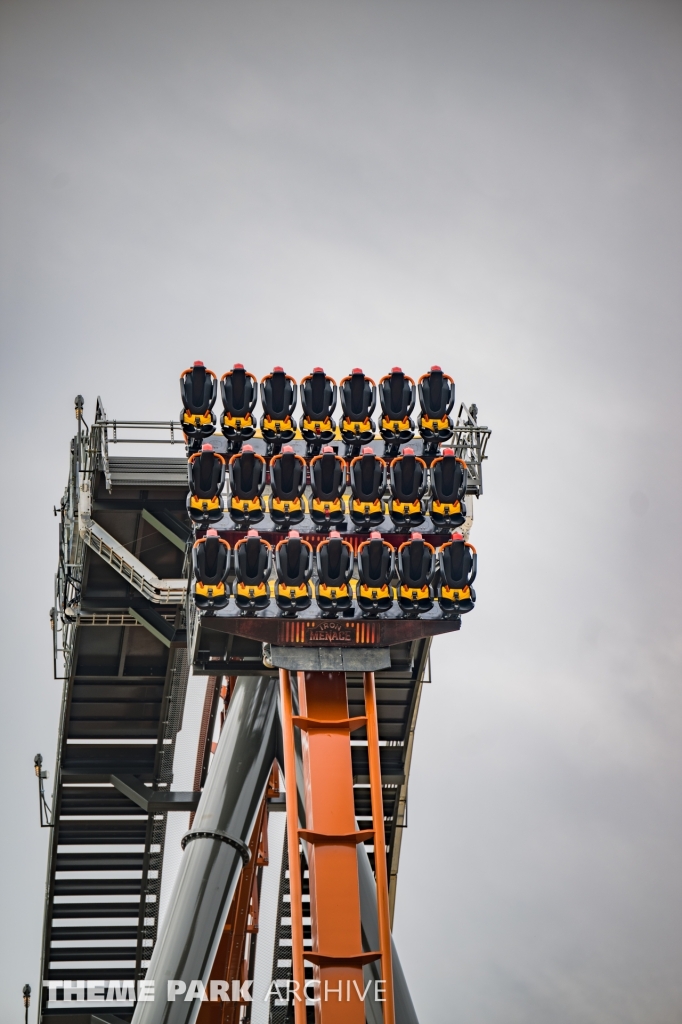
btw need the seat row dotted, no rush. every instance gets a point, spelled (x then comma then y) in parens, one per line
(414, 488)
(423, 575)
(318, 392)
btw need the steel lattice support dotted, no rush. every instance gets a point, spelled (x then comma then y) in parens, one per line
(331, 836)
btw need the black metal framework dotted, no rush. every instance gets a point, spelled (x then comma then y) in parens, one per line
(123, 662)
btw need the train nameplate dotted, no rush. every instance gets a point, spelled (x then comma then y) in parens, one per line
(335, 633)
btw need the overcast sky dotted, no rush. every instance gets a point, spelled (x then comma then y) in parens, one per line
(492, 185)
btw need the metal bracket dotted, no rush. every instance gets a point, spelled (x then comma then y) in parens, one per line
(153, 800)
(241, 848)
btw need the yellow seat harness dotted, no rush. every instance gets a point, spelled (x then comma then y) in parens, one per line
(445, 509)
(374, 593)
(367, 507)
(237, 422)
(333, 593)
(245, 504)
(204, 504)
(248, 590)
(209, 590)
(277, 426)
(292, 592)
(197, 419)
(433, 424)
(414, 593)
(280, 505)
(395, 425)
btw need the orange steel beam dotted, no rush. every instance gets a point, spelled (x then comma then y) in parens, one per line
(295, 887)
(332, 837)
(380, 864)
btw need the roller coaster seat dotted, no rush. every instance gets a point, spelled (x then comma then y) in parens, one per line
(358, 401)
(198, 389)
(447, 506)
(294, 564)
(327, 484)
(368, 483)
(376, 564)
(318, 398)
(334, 570)
(206, 473)
(436, 397)
(247, 483)
(416, 563)
(239, 391)
(397, 393)
(211, 562)
(278, 396)
(457, 563)
(409, 480)
(287, 479)
(253, 564)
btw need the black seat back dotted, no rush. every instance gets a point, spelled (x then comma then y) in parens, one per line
(253, 558)
(448, 477)
(287, 475)
(368, 476)
(294, 559)
(238, 390)
(247, 473)
(206, 473)
(318, 395)
(456, 562)
(198, 388)
(408, 477)
(334, 561)
(397, 395)
(211, 558)
(375, 562)
(327, 475)
(358, 396)
(416, 563)
(436, 393)
(278, 394)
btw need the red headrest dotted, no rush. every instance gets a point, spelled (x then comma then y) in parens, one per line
(207, 447)
(247, 448)
(252, 533)
(367, 450)
(448, 451)
(278, 369)
(317, 369)
(375, 535)
(396, 369)
(415, 536)
(287, 448)
(408, 451)
(328, 448)
(294, 533)
(457, 536)
(356, 369)
(211, 533)
(198, 362)
(238, 366)
(334, 533)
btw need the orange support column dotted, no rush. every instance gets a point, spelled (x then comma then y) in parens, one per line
(380, 866)
(332, 837)
(295, 887)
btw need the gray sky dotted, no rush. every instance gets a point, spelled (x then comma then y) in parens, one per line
(492, 185)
